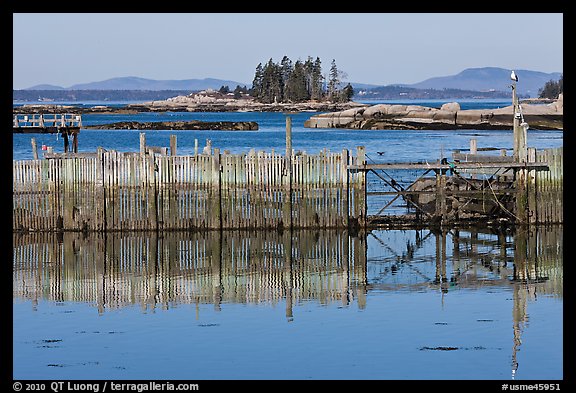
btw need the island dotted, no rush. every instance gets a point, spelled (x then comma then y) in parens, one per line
(179, 125)
(203, 101)
(449, 116)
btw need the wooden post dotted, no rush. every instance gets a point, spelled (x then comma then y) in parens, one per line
(196, 147)
(345, 190)
(34, 149)
(66, 143)
(287, 201)
(75, 142)
(441, 194)
(522, 144)
(100, 197)
(531, 188)
(288, 136)
(142, 144)
(172, 145)
(518, 131)
(473, 146)
(216, 188)
(361, 187)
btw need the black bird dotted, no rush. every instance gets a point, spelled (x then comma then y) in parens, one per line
(380, 153)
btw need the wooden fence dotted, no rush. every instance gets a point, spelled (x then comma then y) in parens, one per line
(114, 191)
(131, 191)
(545, 189)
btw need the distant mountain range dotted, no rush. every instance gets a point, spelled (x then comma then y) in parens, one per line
(490, 79)
(485, 79)
(135, 83)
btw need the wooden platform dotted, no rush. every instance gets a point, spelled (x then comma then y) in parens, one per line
(65, 123)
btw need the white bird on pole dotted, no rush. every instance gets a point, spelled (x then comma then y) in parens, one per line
(513, 76)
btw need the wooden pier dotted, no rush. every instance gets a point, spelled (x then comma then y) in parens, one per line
(66, 124)
(470, 188)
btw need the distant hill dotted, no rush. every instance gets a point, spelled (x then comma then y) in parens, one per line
(361, 86)
(488, 79)
(136, 83)
(472, 82)
(95, 95)
(396, 92)
(46, 87)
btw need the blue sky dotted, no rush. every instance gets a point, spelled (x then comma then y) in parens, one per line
(376, 48)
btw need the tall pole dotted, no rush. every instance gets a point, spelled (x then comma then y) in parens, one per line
(519, 130)
(287, 205)
(288, 136)
(515, 124)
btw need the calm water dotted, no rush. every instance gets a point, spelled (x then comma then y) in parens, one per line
(408, 305)
(397, 145)
(392, 305)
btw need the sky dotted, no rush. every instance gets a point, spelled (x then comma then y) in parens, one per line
(64, 49)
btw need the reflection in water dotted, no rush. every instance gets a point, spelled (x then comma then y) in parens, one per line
(114, 270)
(529, 262)
(119, 269)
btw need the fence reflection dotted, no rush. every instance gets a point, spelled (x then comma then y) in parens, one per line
(114, 270)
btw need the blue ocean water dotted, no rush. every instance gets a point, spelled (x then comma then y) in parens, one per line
(384, 307)
(127, 307)
(397, 145)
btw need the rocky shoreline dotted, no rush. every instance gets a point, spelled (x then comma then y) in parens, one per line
(448, 117)
(179, 125)
(205, 101)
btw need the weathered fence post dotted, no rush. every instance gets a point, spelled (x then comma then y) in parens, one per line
(153, 180)
(100, 197)
(362, 187)
(441, 195)
(216, 191)
(345, 189)
(34, 149)
(142, 144)
(531, 189)
(172, 145)
(288, 136)
(473, 146)
(75, 142)
(287, 193)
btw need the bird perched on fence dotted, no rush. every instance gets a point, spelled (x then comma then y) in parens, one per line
(513, 76)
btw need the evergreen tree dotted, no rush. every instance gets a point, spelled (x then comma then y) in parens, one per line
(347, 93)
(238, 91)
(257, 83)
(224, 89)
(317, 89)
(333, 82)
(296, 82)
(286, 69)
(296, 90)
(272, 85)
(552, 89)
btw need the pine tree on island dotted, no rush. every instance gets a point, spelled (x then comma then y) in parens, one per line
(300, 81)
